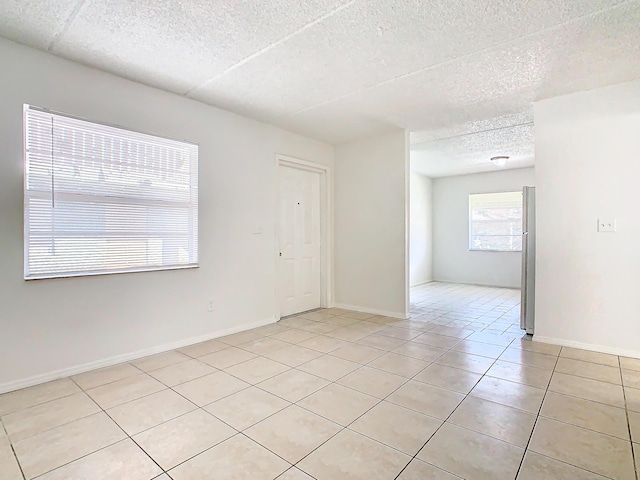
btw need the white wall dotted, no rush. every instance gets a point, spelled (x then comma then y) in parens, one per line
(420, 230)
(50, 326)
(588, 167)
(452, 259)
(371, 184)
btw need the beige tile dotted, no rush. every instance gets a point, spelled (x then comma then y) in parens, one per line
(372, 381)
(9, 469)
(4, 440)
(264, 345)
(537, 467)
(241, 337)
(203, 348)
(339, 321)
(293, 385)
(51, 449)
(257, 369)
(434, 401)
(350, 455)
(509, 393)
(102, 376)
(323, 344)
(255, 405)
(478, 348)
(358, 353)
(450, 378)
(528, 358)
(400, 332)
(292, 433)
(594, 371)
(397, 427)
(455, 332)
(160, 360)
(356, 315)
(399, 364)
(293, 336)
(227, 357)
(270, 330)
(535, 377)
(338, 404)
(238, 458)
(602, 454)
(317, 316)
(471, 455)
(208, 389)
(634, 426)
(125, 390)
(420, 351)
(294, 474)
(123, 460)
(440, 341)
(418, 470)
(499, 421)
(491, 339)
(627, 363)
(175, 441)
(632, 396)
(589, 356)
(587, 414)
(631, 378)
(329, 367)
(37, 419)
(537, 347)
(294, 355)
(28, 397)
(146, 412)
(295, 322)
(317, 328)
(348, 334)
(380, 341)
(182, 372)
(466, 361)
(595, 390)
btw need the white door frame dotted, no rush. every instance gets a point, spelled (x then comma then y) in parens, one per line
(326, 222)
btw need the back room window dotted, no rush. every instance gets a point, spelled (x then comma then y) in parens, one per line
(495, 222)
(100, 199)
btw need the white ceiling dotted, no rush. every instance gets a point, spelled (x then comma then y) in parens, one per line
(338, 70)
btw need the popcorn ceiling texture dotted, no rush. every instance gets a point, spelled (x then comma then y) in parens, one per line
(338, 70)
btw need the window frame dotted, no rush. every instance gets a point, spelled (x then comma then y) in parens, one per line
(192, 230)
(470, 225)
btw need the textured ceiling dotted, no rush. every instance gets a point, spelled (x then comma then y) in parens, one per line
(338, 70)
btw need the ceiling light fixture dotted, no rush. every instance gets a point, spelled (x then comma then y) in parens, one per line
(500, 161)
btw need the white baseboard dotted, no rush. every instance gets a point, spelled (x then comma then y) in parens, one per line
(107, 362)
(385, 313)
(587, 346)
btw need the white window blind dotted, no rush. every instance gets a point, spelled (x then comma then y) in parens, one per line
(495, 221)
(100, 199)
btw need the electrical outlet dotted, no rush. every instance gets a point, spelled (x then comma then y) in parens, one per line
(210, 307)
(606, 225)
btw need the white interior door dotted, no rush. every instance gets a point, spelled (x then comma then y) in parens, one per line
(300, 244)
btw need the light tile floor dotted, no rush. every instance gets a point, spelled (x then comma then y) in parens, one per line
(453, 392)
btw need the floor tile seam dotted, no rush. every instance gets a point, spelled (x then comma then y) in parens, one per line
(188, 358)
(535, 424)
(566, 422)
(40, 403)
(106, 383)
(588, 378)
(84, 456)
(191, 379)
(633, 452)
(15, 458)
(13, 442)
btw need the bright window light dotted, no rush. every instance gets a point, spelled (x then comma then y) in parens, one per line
(100, 199)
(495, 222)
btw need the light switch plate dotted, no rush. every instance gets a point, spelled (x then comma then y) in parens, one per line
(606, 225)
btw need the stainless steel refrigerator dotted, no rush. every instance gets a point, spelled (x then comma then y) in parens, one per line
(527, 289)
